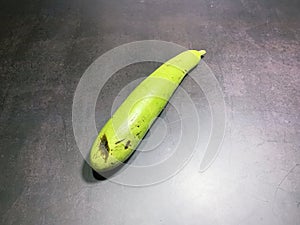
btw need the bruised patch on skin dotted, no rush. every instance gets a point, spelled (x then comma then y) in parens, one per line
(104, 148)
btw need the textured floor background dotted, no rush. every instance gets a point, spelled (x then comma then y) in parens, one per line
(253, 49)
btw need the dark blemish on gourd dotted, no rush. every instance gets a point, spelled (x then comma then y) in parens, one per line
(120, 141)
(127, 144)
(104, 148)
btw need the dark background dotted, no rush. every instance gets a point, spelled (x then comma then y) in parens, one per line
(252, 48)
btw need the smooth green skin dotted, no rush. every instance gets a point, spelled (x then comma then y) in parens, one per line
(123, 132)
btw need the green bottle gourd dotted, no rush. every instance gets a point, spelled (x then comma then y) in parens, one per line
(123, 132)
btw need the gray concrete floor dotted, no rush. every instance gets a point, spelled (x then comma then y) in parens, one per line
(253, 49)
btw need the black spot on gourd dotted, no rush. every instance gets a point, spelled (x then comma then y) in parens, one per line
(127, 144)
(120, 141)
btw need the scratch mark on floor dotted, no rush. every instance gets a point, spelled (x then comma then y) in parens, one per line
(280, 183)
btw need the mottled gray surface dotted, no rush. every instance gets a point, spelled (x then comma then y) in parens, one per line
(253, 49)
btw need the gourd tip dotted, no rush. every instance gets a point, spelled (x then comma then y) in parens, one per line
(198, 53)
(202, 52)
